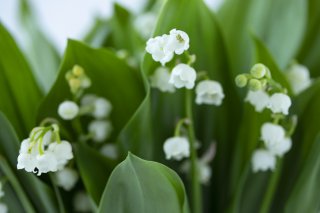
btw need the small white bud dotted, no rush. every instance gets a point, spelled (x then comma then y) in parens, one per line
(66, 178)
(176, 148)
(279, 103)
(160, 80)
(209, 92)
(205, 172)
(183, 75)
(100, 130)
(263, 160)
(280, 148)
(68, 110)
(110, 151)
(102, 108)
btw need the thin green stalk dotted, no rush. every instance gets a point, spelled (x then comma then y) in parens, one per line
(196, 187)
(272, 186)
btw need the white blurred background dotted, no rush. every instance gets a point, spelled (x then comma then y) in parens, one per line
(62, 19)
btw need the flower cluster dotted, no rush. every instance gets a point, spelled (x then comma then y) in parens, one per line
(266, 93)
(44, 151)
(180, 75)
(92, 105)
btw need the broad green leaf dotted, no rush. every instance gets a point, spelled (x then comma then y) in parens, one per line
(19, 94)
(42, 55)
(142, 186)
(305, 195)
(309, 52)
(94, 172)
(39, 194)
(280, 24)
(111, 78)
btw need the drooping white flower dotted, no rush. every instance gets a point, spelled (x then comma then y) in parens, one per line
(110, 151)
(298, 77)
(81, 202)
(100, 130)
(178, 42)
(46, 162)
(155, 46)
(3, 208)
(62, 152)
(68, 110)
(272, 134)
(205, 172)
(144, 24)
(160, 80)
(176, 148)
(209, 92)
(281, 147)
(183, 75)
(259, 99)
(279, 103)
(66, 178)
(263, 160)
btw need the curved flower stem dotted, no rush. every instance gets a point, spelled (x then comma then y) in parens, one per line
(267, 200)
(196, 187)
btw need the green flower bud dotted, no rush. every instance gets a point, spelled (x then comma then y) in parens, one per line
(241, 80)
(255, 85)
(258, 71)
(77, 70)
(68, 76)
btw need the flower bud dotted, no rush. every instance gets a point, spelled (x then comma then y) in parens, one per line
(68, 110)
(258, 71)
(255, 85)
(241, 80)
(77, 70)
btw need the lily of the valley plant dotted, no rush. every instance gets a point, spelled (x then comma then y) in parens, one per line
(177, 108)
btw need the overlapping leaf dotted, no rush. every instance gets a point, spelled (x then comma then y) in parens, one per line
(139, 186)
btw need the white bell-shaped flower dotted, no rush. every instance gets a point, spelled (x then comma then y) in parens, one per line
(100, 130)
(102, 108)
(263, 160)
(178, 42)
(272, 134)
(82, 203)
(27, 162)
(3, 208)
(110, 151)
(281, 147)
(183, 75)
(298, 77)
(176, 148)
(68, 110)
(62, 152)
(160, 80)
(66, 178)
(147, 20)
(209, 92)
(155, 46)
(46, 162)
(259, 99)
(279, 103)
(205, 173)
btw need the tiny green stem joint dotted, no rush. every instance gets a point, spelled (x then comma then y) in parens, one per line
(196, 187)
(46, 121)
(178, 127)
